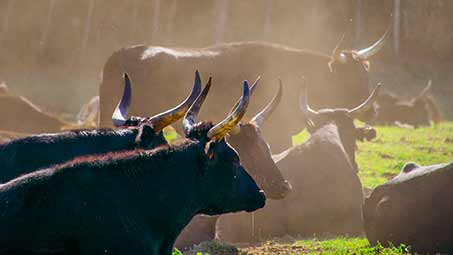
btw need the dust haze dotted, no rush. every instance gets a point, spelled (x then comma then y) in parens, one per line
(53, 51)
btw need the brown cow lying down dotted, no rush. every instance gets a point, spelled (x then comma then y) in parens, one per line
(255, 155)
(21, 115)
(327, 193)
(415, 208)
(419, 111)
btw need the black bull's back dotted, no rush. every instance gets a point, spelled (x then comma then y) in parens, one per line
(414, 209)
(164, 72)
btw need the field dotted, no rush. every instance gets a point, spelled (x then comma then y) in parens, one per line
(379, 161)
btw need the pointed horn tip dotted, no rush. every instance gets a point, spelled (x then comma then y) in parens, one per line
(377, 89)
(255, 84)
(208, 85)
(246, 89)
(197, 76)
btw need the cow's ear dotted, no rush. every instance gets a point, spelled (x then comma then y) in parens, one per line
(145, 134)
(209, 150)
(408, 167)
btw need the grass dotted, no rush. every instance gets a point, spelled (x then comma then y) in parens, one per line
(382, 158)
(338, 246)
(379, 160)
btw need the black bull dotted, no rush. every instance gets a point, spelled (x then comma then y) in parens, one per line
(414, 209)
(124, 203)
(28, 154)
(344, 75)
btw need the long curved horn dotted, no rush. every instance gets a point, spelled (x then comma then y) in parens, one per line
(164, 119)
(366, 104)
(337, 50)
(220, 130)
(368, 52)
(267, 111)
(252, 90)
(191, 117)
(119, 116)
(303, 102)
(426, 90)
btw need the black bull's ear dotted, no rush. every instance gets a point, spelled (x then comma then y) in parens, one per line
(146, 135)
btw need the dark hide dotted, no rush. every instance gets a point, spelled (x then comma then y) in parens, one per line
(20, 115)
(131, 203)
(165, 70)
(256, 157)
(327, 194)
(414, 209)
(419, 111)
(28, 154)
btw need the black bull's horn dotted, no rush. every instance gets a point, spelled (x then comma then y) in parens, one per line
(252, 90)
(191, 117)
(163, 119)
(221, 129)
(121, 112)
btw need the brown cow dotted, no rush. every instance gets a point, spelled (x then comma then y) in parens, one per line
(256, 157)
(21, 115)
(344, 73)
(327, 193)
(419, 111)
(414, 209)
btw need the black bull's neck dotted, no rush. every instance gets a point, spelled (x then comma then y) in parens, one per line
(31, 153)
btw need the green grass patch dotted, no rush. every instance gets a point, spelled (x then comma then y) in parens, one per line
(379, 160)
(347, 246)
(337, 246)
(382, 158)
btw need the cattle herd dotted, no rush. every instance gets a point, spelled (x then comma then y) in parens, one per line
(123, 188)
